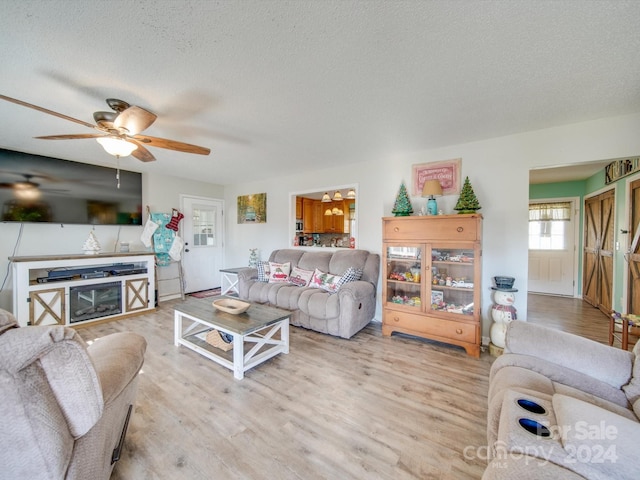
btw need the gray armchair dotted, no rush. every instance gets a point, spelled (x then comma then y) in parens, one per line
(64, 407)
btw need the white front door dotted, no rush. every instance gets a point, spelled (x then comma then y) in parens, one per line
(552, 255)
(203, 243)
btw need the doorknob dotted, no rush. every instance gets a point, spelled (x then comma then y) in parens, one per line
(186, 249)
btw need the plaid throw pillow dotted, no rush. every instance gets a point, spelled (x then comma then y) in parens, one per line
(351, 274)
(263, 272)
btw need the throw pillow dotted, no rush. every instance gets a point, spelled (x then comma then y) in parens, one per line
(300, 277)
(263, 271)
(325, 281)
(279, 272)
(351, 274)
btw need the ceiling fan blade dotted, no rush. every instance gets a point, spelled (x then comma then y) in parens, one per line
(44, 110)
(141, 153)
(70, 137)
(134, 120)
(172, 145)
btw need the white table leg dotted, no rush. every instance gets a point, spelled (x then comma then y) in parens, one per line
(284, 334)
(177, 327)
(238, 356)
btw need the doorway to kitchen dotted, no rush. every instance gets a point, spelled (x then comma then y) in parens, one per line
(325, 217)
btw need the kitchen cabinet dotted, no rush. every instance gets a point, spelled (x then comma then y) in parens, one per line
(431, 278)
(312, 216)
(298, 208)
(318, 216)
(333, 223)
(315, 221)
(307, 215)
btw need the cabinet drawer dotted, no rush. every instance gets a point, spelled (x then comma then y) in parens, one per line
(460, 331)
(445, 227)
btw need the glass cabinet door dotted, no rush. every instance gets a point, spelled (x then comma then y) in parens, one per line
(452, 280)
(404, 276)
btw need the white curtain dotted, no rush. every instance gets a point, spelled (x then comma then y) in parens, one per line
(541, 212)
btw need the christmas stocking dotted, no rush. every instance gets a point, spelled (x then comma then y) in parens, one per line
(176, 248)
(147, 233)
(176, 216)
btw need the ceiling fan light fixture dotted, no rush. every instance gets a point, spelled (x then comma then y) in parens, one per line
(326, 198)
(26, 191)
(116, 146)
(337, 196)
(351, 194)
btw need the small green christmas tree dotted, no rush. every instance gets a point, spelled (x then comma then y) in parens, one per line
(467, 203)
(402, 207)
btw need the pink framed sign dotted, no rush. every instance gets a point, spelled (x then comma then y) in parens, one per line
(447, 172)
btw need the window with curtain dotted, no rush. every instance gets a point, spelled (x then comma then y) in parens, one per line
(547, 225)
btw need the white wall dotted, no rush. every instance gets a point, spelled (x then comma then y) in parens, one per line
(161, 193)
(164, 192)
(498, 169)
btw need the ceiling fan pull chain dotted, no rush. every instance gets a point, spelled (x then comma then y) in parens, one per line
(118, 170)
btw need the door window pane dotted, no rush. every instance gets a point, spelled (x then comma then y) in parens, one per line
(204, 227)
(547, 235)
(547, 225)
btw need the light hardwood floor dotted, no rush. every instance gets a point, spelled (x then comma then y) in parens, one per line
(367, 408)
(570, 315)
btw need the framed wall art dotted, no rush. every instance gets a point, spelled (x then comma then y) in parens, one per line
(252, 208)
(446, 172)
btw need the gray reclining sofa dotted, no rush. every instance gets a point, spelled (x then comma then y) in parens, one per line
(343, 313)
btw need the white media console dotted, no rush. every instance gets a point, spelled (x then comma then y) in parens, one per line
(77, 289)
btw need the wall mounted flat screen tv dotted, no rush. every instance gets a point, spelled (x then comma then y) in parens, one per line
(34, 188)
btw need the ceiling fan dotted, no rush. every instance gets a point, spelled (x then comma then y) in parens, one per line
(26, 182)
(25, 187)
(119, 130)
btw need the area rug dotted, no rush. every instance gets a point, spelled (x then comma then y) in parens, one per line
(206, 293)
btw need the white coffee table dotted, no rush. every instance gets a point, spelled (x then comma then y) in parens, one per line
(259, 334)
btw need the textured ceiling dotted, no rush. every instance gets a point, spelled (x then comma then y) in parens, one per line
(277, 87)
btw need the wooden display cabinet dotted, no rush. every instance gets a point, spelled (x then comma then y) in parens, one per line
(432, 278)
